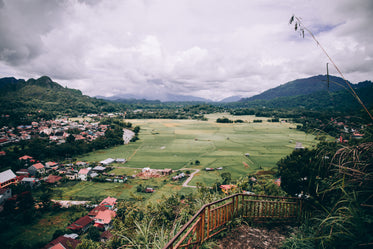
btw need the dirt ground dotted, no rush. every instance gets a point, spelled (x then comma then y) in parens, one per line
(246, 237)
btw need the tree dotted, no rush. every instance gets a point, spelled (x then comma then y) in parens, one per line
(136, 129)
(87, 244)
(45, 198)
(58, 233)
(70, 139)
(226, 176)
(93, 234)
(303, 170)
(25, 201)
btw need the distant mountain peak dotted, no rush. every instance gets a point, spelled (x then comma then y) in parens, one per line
(44, 81)
(303, 86)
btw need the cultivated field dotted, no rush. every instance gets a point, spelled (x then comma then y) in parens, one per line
(177, 144)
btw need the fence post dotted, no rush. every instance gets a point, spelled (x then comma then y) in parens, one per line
(203, 225)
(208, 222)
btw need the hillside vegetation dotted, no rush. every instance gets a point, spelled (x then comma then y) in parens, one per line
(45, 96)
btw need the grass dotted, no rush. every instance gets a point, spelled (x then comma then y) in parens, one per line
(40, 232)
(176, 144)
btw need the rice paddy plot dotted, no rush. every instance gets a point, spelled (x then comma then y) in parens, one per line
(177, 144)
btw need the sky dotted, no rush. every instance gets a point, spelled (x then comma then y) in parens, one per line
(206, 48)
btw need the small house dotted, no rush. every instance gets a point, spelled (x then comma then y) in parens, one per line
(109, 202)
(95, 211)
(83, 173)
(105, 236)
(5, 193)
(81, 225)
(22, 172)
(179, 176)
(166, 172)
(80, 163)
(71, 175)
(99, 169)
(107, 161)
(7, 178)
(25, 157)
(51, 165)
(52, 179)
(93, 175)
(298, 146)
(104, 219)
(62, 242)
(36, 168)
(149, 190)
(120, 160)
(30, 181)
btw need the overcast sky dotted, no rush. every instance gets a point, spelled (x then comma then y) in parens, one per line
(207, 48)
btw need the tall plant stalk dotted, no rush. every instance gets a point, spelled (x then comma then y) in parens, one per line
(301, 27)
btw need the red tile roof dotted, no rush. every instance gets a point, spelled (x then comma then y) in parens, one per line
(111, 201)
(95, 211)
(58, 246)
(80, 223)
(64, 241)
(84, 171)
(53, 179)
(38, 166)
(106, 235)
(25, 157)
(50, 164)
(105, 216)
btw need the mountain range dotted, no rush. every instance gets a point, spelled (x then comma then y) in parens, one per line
(315, 93)
(123, 98)
(303, 87)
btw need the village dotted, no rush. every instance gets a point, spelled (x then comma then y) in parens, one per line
(56, 130)
(51, 173)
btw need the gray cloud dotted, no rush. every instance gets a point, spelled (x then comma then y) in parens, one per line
(22, 23)
(205, 48)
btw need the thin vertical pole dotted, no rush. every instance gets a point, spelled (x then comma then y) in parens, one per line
(208, 222)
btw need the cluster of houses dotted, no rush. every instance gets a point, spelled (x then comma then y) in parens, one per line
(55, 130)
(52, 172)
(101, 217)
(179, 176)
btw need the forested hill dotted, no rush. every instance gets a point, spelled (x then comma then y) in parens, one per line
(302, 87)
(45, 96)
(341, 101)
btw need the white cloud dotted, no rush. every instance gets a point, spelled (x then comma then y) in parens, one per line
(207, 48)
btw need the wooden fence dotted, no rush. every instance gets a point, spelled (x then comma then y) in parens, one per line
(212, 218)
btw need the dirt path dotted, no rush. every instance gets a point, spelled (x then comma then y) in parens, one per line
(134, 153)
(246, 237)
(185, 184)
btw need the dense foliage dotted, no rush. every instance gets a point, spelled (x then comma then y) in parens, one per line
(337, 184)
(19, 98)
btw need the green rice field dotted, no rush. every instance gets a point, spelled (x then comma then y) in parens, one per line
(177, 144)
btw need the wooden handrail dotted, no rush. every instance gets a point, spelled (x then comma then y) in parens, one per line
(209, 221)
